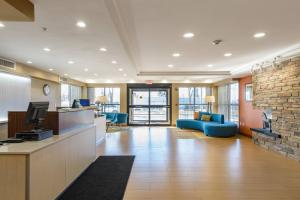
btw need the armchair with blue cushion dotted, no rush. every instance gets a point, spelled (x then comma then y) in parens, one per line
(215, 127)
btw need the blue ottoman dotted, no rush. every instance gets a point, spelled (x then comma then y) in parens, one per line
(227, 129)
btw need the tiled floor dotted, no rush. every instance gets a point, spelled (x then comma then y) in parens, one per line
(176, 164)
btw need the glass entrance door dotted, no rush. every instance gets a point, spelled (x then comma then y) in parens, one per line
(149, 106)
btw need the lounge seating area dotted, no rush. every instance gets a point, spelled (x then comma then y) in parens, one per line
(214, 126)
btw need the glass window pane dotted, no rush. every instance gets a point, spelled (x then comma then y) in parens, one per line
(65, 95)
(158, 114)
(111, 108)
(158, 98)
(186, 111)
(116, 96)
(140, 97)
(234, 93)
(186, 95)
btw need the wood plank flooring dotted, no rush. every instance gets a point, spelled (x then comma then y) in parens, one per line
(176, 164)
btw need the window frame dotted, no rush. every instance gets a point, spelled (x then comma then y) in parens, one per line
(107, 105)
(193, 105)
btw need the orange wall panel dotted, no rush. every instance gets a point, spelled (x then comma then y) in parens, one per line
(249, 117)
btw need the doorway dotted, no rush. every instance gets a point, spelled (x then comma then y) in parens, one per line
(149, 105)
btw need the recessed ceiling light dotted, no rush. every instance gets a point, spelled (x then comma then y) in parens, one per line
(132, 81)
(2, 25)
(228, 54)
(114, 62)
(70, 62)
(51, 69)
(176, 54)
(108, 81)
(95, 74)
(188, 35)
(86, 69)
(47, 49)
(120, 69)
(210, 65)
(187, 81)
(259, 35)
(81, 24)
(170, 66)
(29, 62)
(124, 74)
(103, 49)
(65, 74)
(164, 81)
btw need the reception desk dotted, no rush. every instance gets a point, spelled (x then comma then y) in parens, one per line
(41, 170)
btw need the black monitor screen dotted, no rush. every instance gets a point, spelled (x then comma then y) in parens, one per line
(36, 112)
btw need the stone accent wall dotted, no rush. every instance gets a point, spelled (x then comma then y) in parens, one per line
(278, 88)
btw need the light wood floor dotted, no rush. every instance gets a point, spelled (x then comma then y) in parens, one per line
(176, 164)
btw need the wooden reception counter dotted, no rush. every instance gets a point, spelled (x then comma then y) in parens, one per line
(41, 170)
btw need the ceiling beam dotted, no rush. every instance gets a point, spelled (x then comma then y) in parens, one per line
(121, 16)
(185, 73)
(16, 10)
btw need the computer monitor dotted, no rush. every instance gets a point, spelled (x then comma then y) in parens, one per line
(76, 103)
(84, 102)
(36, 114)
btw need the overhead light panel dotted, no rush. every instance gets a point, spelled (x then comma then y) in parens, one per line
(103, 49)
(51, 69)
(228, 54)
(120, 69)
(70, 62)
(259, 35)
(170, 66)
(29, 62)
(176, 54)
(2, 25)
(81, 24)
(114, 62)
(47, 49)
(86, 69)
(188, 35)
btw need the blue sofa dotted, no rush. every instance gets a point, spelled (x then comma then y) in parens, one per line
(116, 118)
(215, 128)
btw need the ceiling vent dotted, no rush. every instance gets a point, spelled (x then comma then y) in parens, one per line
(7, 64)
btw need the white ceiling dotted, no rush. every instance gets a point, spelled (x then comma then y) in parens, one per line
(142, 35)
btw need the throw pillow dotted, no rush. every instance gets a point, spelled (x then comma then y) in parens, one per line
(206, 118)
(196, 115)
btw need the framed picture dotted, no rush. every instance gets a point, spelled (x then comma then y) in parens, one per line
(249, 92)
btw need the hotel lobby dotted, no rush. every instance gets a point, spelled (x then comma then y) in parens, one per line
(164, 100)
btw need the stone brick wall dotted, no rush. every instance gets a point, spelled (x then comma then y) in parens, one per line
(278, 88)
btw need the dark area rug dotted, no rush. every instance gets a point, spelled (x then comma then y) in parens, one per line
(105, 179)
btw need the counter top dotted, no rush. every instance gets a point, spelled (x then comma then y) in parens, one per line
(29, 147)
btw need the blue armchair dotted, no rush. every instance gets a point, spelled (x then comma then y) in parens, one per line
(120, 119)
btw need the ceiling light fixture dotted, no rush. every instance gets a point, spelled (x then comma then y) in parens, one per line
(51, 69)
(132, 81)
(103, 49)
(120, 69)
(70, 62)
(210, 65)
(29, 62)
(176, 54)
(86, 69)
(188, 35)
(2, 25)
(81, 24)
(228, 54)
(164, 81)
(125, 75)
(259, 35)
(65, 74)
(187, 81)
(170, 66)
(114, 62)
(95, 74)
(108, 81)
(47, 49)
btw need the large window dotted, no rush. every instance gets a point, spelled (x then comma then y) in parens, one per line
(69, 93)
(112, 94)
(192, 99)
(228, 101)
